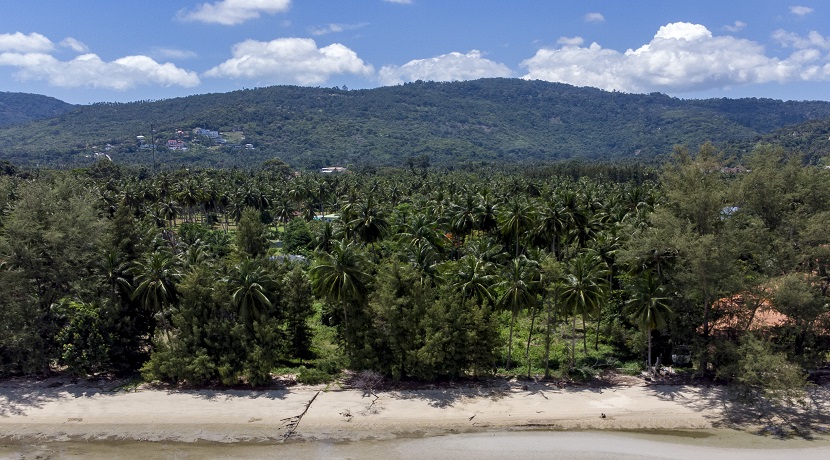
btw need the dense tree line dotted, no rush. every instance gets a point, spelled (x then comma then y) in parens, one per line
(423, 273)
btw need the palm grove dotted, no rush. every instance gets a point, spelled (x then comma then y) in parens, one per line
(545, 271)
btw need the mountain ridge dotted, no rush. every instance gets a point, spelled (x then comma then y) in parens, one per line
(489, 120)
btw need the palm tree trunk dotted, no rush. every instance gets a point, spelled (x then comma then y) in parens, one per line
(584, 336)
(346, 331)
(529, 337)
(648, 364)
(510, 339)
(548, 336)
(573, 343)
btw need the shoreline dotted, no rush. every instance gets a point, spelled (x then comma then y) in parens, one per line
(43, 411)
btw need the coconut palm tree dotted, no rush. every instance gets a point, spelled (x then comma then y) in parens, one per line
(518, 287)
(649, 305)
(339, 278)
(251, 288)
(156, 276)
(515, 218)
(474, 279)
(370, 224)
(583, 288)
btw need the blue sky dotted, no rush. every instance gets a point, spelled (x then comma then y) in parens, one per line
(88, 51)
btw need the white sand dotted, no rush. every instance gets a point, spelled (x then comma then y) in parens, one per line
(30, 409)
(41, 420)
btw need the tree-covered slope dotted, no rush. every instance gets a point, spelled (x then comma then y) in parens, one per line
(482, 120)
(16, 108)
(810, 139)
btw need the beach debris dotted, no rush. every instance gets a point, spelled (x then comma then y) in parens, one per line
(293, 422)
(602, 415)
(371, 409)
(347, 414)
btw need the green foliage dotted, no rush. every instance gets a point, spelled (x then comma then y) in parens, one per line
(210, 344)
(764, 376)
(250, 234)
(298, 310)
(313, 376)
(424, 275)
(297, 237)
(83, 341)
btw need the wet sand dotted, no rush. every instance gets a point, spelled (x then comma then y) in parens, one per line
(706, 444)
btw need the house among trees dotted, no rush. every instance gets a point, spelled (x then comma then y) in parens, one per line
(176, 144)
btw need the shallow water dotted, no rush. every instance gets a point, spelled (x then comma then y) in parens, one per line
(688, 444)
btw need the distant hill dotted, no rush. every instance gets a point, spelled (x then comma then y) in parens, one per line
(810, 139)
(493, 120)
(17, 108)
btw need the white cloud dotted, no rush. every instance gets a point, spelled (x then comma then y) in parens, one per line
(793, 40)
(594, 17)
(233, 12)
(447, 67)
(19, 42)
(88, 70)
(737, 27)
(174, 53)
(570, 41)
(800, 10)
(402, 2)
(681, 57)
(335, 28)
(290, 60)
(74, 45)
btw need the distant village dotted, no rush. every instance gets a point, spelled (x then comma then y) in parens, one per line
(182, 140)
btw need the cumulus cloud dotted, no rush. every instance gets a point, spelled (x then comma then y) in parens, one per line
(233, 12)
(801, 10)
(74, 45)
(447, 67)
(681, 57)
(736, 27)
(88, 70)
(594, 17)
(335, 28)
(793, 40)
(570, 41)
(290, 60)
(22, 43)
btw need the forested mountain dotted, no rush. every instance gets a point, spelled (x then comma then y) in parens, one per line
(810, 139)
(17, 108)
(494, 120)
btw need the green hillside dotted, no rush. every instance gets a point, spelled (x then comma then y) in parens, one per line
(494, 120)
(810, 139)
(17, 108)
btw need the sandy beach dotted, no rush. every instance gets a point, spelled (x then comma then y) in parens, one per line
(55, 411)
